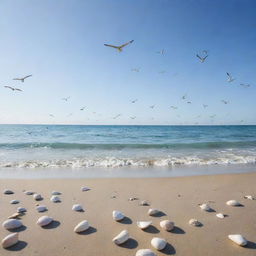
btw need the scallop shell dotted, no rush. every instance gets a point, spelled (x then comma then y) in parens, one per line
(8, 192)
(117, 216)
(37, 197)
(41, 208)
(21, 209)
(220, 215)
(143, 224)
(194, 222)
(233, 203)
(152, 212)
(205, 207)
(238, 239)
(82, 226)
(14, 201)
(158, 243)
(10, 240)
(122, 237)
(85, 189)
(167, 225)
(56, 193)
(77, 208)
(12, 224)
(55, 199)
(145, 252)
(28, 193)
(44, 220)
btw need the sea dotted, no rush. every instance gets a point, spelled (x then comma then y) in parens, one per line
(125, 150)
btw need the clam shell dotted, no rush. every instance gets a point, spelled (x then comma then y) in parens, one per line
(158, 243)
(194, 222)
(143, 224)
(205, 207)
(12, 224)
(8, 192)
(122, 237)
(145, 252)
(10, 240)
(41, 208)
(55, 199)
(77, 208)
(44, 220)
(238, 239)
(82, 226)
(56, 193)
(14, 201)
(85, 189)
(220, 215)
(37, 197)
(144, 203)
(167, 225)
(152, 212)
(21, 209)
(28, 193)
(233, 203)
(117, 216)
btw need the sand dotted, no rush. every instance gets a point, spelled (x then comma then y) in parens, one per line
(177, 197)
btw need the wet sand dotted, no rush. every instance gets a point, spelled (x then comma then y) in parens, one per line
(178, 198)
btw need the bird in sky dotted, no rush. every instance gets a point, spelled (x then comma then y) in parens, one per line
(82, 108)
(66, 99)
(245, 85)
(162, 52)
(51, 115)
(189, 102)
(120, 47)
(173, 107)
(135, 69)
(184, 96)
(224, 101)
(22, 79)
(133, 117)
(230, 78)
(205, 106)
(12, 88)
(133, 101)
(152, 106)
(115, 117)
(202, 59)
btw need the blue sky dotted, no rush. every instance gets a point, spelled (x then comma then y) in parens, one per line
(61, 43)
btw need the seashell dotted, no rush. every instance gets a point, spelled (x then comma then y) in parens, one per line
(220, 215)
(167, 225)
(145, 252)
(55, 199)
(117, 216)
(82, 226)
(194, 222)
(37, 197)
(205, 207)
(8, 192)
(233, 203)
(238, 239)
(152, 212)
(16, 215)
(10, 240)
(14, 201)
(77, 208)
(56, 193)
(21, 209)
(28, 193)
(41, 208)
(122, 237)
(158, 243)
(12, 224)
(143, 224)
(44, 220)
(249, 197)
(144, 203)
(133, 198)
(85, 189)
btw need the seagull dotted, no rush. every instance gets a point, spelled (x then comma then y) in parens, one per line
(22, 79)
(161, 52)
(202, 59)
(66, 99)
(224, 101)
(184, 96)
(230, 78)
(205, 106)
(152, 106)
(133, 117)
(245, 85)
(189, 102)
(133, 101)
(51, 115)
(135, 69)
(115, 117)
(119, 48)
(173, 107)
(82, 108)
(12, 88)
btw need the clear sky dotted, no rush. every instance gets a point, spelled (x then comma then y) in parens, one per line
(61, 43)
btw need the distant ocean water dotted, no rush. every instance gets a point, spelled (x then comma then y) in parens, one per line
(62, 146)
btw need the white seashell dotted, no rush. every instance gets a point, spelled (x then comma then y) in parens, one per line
(77, 208)
(152, 212)
(37, 197)
(158, 243)
(167, 225)
(85, 189)
(44, 220)
(220, 215)
(205, 207)
(194, 222)
(55, 199)
(249, 197)
(82, 226)
(144, 203)
(28, 193)
(145, 252)
(14, 201)
(56, 193)
(10, 240)
(12, 224)
(41, 208)
(8, 192)
(238, 239)
(122, 237)
(143, 224)
(233, 203)
(16, 215)
(21, 209)
(117, 216)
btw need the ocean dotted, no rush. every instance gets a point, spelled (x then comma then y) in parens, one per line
(79, 147)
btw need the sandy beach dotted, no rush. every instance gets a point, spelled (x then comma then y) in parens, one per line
(178, 198)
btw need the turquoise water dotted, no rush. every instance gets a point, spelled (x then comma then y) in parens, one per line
(78, 147)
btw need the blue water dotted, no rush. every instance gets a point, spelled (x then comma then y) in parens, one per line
(79, 147)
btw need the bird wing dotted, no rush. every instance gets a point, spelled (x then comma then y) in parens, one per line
(113, 46)
(9, 87)
(16, 79)
(123, 45)
(198, 57)
(17, 89)
(205, 57)
(27, 76)
(228, 75)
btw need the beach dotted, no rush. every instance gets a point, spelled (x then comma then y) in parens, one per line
(178, 198)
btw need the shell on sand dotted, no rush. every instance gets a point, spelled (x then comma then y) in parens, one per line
(249, 197)
(16, 215)
(205, 207)
(8, 192)
(56, 193)
(41, 208)
(220, 215)
(77, 207)
(44, 220)
(82, 226)
(85, 189)
(117, 216)
(21, 209)
(233, 203)
(145, 252)
(158, 243)
(28, 193)
(144, 203)
(167, 225)
(10, 240)
(14, 201)
(12, 224)
(37, 197)
(143, 224)
(122, 237)
(152, 212)
(55, 199)
(238, 239)
(194, 222)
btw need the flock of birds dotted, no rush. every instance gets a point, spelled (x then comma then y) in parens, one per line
(202, 58)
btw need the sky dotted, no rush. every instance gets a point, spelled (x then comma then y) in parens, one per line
(61, 43)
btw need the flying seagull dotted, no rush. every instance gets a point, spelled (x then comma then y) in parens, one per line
(152, 106)
(22, 79)
(133, 101)
(66, 99)
(173, 107)
(205, 106)
(224, 101)
(245, 85)
(12, 88)
(202, 59)
(135, 69)
(82, 108)
(133, 117)
(115, 117)
(161, 52)
(230, 78)
(119, 48)
(184, 96)
(51, 115)
(189, 102)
